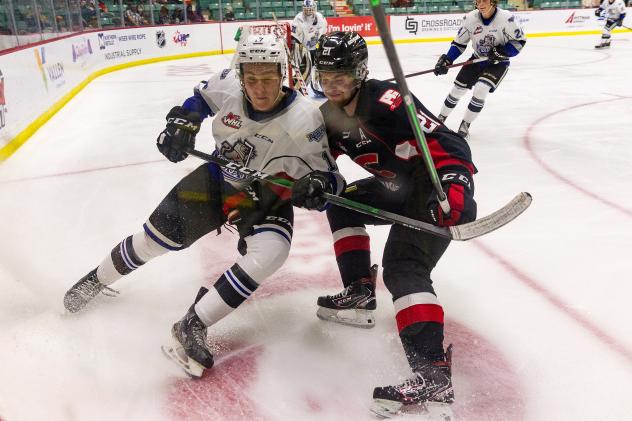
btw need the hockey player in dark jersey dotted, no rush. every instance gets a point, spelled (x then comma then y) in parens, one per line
(366, 120)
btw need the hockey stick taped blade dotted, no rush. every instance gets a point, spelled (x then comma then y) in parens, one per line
(492, 222)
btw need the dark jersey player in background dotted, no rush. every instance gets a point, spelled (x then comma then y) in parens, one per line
(367, 121)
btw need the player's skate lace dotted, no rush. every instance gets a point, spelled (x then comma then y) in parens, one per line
(84, 291)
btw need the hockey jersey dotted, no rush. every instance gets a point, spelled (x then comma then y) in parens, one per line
(502, 29)
(289, 142)
(614, 10)
(308, 29)
(379, 138)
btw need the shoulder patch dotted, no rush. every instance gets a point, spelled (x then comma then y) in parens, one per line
(392, 98)
(224, 73)
(317, 134)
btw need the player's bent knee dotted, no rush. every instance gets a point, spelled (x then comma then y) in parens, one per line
(265, 254)
(481, 90)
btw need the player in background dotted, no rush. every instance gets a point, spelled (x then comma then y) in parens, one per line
(258, 123)
(307, 28)
(614, 12)
(366, 120)
(495, 34)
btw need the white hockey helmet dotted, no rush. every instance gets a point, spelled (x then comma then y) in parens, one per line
(309, 7)
(261, 49)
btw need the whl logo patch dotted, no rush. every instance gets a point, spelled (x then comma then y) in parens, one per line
(232, 120)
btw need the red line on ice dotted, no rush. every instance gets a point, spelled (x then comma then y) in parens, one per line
(558, 303)
(487, 387)
(528, 142)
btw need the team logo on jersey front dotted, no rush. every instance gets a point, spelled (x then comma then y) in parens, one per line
(392, 98)
(232, 120)
(241, 152)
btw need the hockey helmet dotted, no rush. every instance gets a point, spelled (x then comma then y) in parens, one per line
(261, 49)
(342, 52)
(309, 7)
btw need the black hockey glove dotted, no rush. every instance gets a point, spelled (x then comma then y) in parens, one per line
(307, 191)
(441, 68)
(179, 136)
(620, 20)
(496, 55)
(598, 12)
(460, 192)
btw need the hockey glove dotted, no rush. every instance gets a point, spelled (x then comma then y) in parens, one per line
(179, 136)
(307, 191)
(598, 12)
(460, 192)
(441, 68)
(620, 20)
(496, 55)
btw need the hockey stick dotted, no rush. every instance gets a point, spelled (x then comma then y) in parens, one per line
(462, 232)
(296, 71)
(423, 72)
(411, 110)
(627, 27)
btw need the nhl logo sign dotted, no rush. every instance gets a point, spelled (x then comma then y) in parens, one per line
(161, 39)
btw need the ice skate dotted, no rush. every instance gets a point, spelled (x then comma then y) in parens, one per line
(603, 44)
(189, 349)
(429, 390)
(464, 130)
(353, 306)
(84, 291)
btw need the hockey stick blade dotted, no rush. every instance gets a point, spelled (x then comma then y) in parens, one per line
(493, 221)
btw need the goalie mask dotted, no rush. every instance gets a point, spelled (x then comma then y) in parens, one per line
(309, 7)
(261, 49)
(343, 52)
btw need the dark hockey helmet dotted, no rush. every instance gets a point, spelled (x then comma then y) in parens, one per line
(342, 52)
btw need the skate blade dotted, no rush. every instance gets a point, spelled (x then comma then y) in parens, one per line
(357, 318)
(385, 409)
(428, 411)
(176, 354)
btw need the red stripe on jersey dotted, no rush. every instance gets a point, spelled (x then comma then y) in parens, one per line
(351, 243)
(419, 313)
(443, 159)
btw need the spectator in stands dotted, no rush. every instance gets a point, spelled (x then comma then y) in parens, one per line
(177, 16)
(229, 14)
(103, 7)
(132, 18)
(88, 13)
(163, 16)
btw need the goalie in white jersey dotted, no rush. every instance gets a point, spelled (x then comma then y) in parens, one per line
(496, 35)
(307, 28)
(258, 123)
(614, 12)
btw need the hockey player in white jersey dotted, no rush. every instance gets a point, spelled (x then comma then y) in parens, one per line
(495, 34)
(307, 28)
(614, 12)
(258, 123)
